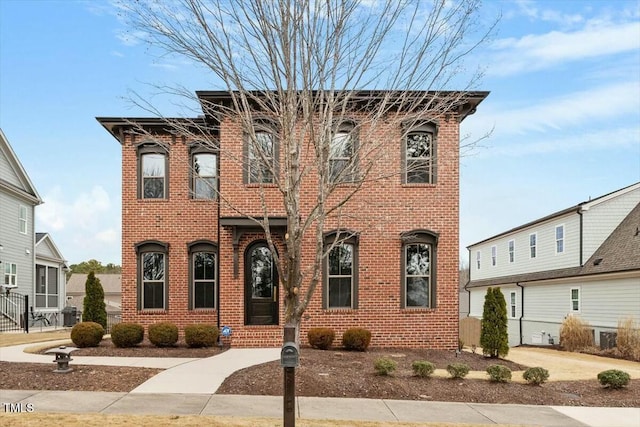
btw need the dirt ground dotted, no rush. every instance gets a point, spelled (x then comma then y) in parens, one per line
(337, 373)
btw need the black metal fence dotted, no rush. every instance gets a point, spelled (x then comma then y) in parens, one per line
(14, 312)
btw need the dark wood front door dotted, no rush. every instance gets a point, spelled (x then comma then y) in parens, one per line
(261, 286)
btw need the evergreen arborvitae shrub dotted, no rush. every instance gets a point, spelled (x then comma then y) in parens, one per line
(356, 339)
(494, 338)
(499, 373)
(163, 334)
(94, 307)
(535, 375)
(422, 368)
(87, 334)
(614, 378)
(321, 338)
(458, 370)
(127, 334)
(201, 335)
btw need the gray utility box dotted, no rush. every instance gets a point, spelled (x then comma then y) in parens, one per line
(69, 314)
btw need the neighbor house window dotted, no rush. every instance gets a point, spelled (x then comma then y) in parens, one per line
(342, 154)
(512, 304)
(419, 155)
(203, 273)
(204, 173)
(10, 274)
(560, 239)
(478, 260)
(341, 270)
(152, 275)
(512, 250)
(532, 245)
(575, 300)
(494, 255)
(153, 170)
(46, 286)
(419, 269)
(22, 219)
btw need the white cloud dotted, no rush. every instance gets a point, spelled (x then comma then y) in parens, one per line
(131, 38)
(529, 8)
(116, 53)
(534, 52)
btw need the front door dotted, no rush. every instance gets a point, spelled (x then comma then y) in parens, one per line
(261, 286)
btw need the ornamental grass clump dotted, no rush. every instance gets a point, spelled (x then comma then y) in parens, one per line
(124, 335)
(614, 378)
(628, 339)
(163, 334)
(198, 336)
(385, 366)
(575, 334)
(357, 339)
(535, 376)
(458, 370)
(499, 373)
(422, 368)
(87, 334)
(321, 338)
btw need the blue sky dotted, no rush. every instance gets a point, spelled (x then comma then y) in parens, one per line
(564, 107)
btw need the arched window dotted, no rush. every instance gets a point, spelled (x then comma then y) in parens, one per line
(340, 268)
(419, 250)
(153, 171)
(204, 171)
(261, 152)
(203, 273)
(342, 153)
(153, 286)
(419, 153)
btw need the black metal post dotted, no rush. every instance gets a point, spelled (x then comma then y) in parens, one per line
(289, 383)
(26, 314)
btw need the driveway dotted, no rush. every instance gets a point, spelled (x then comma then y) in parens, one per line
(568, 366)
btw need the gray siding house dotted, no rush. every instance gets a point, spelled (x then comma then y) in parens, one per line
(582, 261)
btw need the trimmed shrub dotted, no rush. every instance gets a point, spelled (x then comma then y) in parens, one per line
(127, 334)
(201, 335)
(385, 366)
(458, 370)
(321, 338)
(499, 373)
(422, 368)
(628, 339)
(575, 334)
(536, 375)
(94, 307)
(356, 339)
(494, 338)
(163, 334)
(614, 378)
(87, 334)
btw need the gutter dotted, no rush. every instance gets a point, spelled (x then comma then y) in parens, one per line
(521, 310)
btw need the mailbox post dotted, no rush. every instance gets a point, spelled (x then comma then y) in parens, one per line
(289, 360)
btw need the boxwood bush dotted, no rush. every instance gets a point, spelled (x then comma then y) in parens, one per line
(87, 334)
(535, 376)
(201, 335)
(499, 373)
(127, 334)
(163, 334)
(385, 366)
(458, 370)
(614, 378)
(321, 338)
(422, 368)
(357, 339)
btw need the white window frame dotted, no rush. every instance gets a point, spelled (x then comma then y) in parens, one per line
(513, 305)
(477, 260)
(23, 223)
(9, 277)
(577, 300)
(511, 246)
(533, 248)
(494, 255)
(560, 241)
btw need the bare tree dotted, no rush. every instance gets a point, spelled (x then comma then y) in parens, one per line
(304, 70)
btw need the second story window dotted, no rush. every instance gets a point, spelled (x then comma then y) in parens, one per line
(477, 260)
(204, 173)
(494, 255)
(560, 239)
(22, 219)
(533, 238)
(153, 171)
(342, 151)
(261, 154)
(512, 250)
(419, 153)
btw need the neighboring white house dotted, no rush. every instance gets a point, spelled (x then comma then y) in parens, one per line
(583, 261)
(30, 263)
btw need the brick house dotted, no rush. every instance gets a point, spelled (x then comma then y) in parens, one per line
(188, 256)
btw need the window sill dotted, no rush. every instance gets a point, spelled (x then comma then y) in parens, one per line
(152, 200)
(151, 311)
(339, 310)
(418, 309)
(259, 185)
(419, 185)
(203, 310)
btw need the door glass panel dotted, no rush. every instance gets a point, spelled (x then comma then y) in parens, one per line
(261, 273)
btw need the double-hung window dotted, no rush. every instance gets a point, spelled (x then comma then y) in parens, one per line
(46, 286)
(559, 239)
(533, 242)
(10, 274)
(419, 269)
(341, 270)
(203, 273)
(512, 304)
(153, 171)
(342, 153)
(494, 255)
(261, 152)
(575, 300)
(22, 219)
(152, 275)
(204, 172)
(477, 260)
(512, 250)
(419, 155)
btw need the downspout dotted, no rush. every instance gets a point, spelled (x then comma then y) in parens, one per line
(521, 310)
(581, 232)
(218, 263)
(468, 291)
